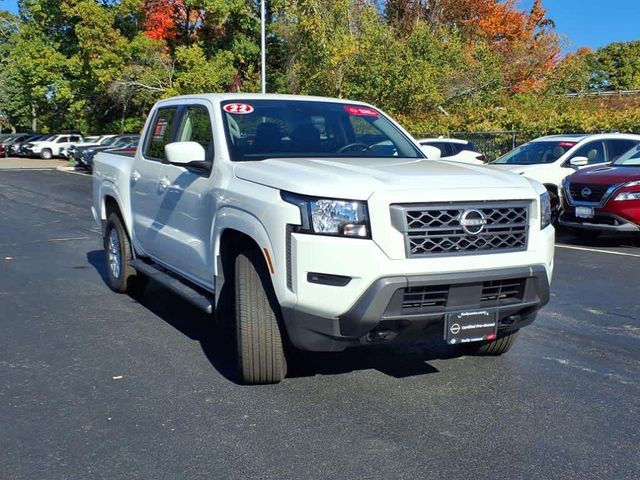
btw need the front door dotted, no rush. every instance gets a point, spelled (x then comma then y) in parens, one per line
(147, 192)
(188, 208)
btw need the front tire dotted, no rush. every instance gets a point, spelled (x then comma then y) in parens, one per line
(121, 275)
(496, 347)
(260, 347)
(46, 154)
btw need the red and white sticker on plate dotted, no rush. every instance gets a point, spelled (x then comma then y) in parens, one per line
(361, 111)
(238, 108)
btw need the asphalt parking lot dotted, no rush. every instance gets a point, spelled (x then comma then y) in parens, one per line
(98, 385)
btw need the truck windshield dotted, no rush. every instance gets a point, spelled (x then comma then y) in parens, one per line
(630, 159)
(535, 152)
(260, 129)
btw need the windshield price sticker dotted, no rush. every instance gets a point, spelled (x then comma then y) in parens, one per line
(472, 326)
(238, 108)
(361, 111)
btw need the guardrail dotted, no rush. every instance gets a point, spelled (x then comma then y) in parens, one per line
(604, 93)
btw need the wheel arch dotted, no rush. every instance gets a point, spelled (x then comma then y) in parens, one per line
(237, 230)
(110, 202)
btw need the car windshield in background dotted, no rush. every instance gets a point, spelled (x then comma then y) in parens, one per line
(108, 141)
(629, 159)
(260, 129)
(535, 153)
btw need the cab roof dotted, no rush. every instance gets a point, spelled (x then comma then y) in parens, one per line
(223, 97)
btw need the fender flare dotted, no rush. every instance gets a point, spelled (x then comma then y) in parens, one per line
(229, 217)
(109, 189)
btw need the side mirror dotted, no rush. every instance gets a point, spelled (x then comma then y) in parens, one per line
(432, 153)
(579, 161)
(184, 153)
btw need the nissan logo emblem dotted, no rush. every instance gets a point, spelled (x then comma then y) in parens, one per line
(472, 221)
(585, 192)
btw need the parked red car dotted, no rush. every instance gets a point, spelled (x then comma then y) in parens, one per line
(603, 197)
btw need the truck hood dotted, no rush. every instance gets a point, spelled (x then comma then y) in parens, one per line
(606, 175)
(359, 178)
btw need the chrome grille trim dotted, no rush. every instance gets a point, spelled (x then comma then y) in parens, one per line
(569, 188)
(435, 230)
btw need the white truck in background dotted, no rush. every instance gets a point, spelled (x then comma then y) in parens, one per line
(320, 224)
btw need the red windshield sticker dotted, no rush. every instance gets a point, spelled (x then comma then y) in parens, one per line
(238, 108)
(161, 128)
(566, 144)
(361, 111)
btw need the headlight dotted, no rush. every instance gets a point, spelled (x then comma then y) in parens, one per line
(545, 210)
(326, 216)
(627, 196)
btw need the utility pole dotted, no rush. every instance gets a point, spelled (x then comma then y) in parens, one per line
(263, 46)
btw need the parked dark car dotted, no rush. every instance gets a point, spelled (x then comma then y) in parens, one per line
(8, 146)
(19, 150)
(603, 197)
(85, 156)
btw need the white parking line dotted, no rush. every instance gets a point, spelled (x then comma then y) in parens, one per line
(597, 250)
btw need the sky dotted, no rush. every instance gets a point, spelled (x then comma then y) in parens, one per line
(583, 23)
(593, 23)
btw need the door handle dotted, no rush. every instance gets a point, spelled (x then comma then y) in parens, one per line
(135, 176)
(164, 183)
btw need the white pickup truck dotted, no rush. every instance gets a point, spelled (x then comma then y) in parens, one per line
(321, 224)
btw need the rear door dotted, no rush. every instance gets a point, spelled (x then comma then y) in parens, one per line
(60, 143)
(146, 192)
(188, 208)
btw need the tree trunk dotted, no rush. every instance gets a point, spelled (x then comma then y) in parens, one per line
(34, 118)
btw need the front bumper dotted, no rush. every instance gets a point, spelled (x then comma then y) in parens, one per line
(383, 314)
(605, 222)
(605, 218)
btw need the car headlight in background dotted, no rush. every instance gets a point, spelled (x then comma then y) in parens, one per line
(326, 216)
(622, 196)
(545, 210)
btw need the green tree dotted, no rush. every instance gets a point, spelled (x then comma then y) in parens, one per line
(618, 66)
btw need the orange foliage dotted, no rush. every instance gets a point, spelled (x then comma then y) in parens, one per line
(527, 41)
(162, 18)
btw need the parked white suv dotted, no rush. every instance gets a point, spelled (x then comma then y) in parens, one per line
(52, 146)
(322, 224)
(455, 150)
(550, 159)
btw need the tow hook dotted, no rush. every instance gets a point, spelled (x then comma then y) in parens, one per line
(381, 336)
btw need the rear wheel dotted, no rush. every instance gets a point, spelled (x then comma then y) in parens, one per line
(46, 154)
(496, 347)
(260, 347)
(121, 275)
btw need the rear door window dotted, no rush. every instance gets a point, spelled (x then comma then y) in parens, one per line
(617, 147)
(160, 132)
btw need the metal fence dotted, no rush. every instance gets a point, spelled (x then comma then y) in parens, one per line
(601, 93)
(492, 144)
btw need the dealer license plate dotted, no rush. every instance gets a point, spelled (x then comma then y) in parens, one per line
(584, 212)
(471, 326)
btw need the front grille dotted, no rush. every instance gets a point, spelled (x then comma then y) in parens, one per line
(436, 299)
(420, 299)
(594, 193)
(502, 292)
(432, 230)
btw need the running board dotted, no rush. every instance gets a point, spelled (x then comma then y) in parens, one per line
(186, 291)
